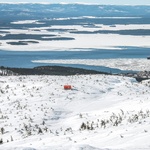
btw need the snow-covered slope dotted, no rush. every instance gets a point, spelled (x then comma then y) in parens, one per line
(100, 112)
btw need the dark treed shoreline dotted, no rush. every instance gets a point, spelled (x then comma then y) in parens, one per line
(66, 71)
(47, 70)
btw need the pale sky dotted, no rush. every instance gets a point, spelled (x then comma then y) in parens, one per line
(113, 2)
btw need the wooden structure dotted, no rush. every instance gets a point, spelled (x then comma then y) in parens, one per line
(67, 87)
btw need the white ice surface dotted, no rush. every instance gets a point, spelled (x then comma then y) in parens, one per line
(27, 22)
(82, 41)
(123, 64)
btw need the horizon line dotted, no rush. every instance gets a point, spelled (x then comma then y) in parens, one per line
(67, 3)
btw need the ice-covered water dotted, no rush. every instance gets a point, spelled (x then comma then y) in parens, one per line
(25, 59)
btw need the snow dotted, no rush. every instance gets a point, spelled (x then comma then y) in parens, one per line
(99, 113)
(101, 41)
(27, 22)
(31, 103)
(93, 17)
(122, 64)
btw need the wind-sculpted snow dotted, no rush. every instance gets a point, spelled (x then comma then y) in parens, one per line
(100, 112)
(21, 148)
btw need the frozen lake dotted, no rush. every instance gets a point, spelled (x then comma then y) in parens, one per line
(25, 59)
(27, 39)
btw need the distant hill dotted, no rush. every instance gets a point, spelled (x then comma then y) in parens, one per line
(40, 11)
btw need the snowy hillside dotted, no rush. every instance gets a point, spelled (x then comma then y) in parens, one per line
(100, 112)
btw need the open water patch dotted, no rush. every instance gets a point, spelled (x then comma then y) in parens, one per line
(24, 59)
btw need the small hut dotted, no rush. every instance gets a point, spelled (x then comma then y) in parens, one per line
(67, 87)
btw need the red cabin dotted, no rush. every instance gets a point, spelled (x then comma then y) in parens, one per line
(67, 87)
